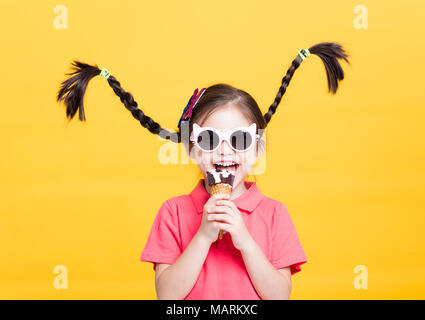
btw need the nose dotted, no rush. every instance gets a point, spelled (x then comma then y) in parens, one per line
(225, 148)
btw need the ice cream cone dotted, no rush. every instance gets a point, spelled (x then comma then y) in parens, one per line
(220, 182)
(220, 188)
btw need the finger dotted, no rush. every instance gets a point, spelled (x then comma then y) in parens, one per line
(222, 217)
(210, 208)
(213, 209)
(222, 209)
(222, 226)
(230, 204)
(220, 196)
(225, 202)
(211, 201)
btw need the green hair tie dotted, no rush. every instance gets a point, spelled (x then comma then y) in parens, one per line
(304, 53)
(104, 73)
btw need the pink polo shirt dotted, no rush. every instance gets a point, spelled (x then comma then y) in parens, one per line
(223, 275)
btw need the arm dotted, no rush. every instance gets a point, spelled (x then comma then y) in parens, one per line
(175, 281)
(270, 283)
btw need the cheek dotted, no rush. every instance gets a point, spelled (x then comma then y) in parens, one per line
(247, 159)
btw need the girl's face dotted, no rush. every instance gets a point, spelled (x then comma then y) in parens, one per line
(224, 119)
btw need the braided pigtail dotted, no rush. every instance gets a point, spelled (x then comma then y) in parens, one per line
(73, 89)
(329, 53)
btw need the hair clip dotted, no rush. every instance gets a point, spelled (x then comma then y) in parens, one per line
(304, 53)
(187, 112)
(104, 73)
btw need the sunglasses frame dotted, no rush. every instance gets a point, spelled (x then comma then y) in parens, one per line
(197, 130)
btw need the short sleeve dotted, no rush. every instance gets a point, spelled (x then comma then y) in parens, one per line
(164, 241)
(286, 248)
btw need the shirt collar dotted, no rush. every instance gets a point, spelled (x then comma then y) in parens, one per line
(248, 201)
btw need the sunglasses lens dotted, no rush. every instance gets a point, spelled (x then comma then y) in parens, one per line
(208, 140)
(241, 140)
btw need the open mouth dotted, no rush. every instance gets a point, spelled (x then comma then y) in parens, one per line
(229, 166)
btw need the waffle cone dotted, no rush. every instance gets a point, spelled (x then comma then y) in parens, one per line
(220, 189)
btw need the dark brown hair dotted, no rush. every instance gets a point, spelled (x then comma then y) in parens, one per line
(73, 89)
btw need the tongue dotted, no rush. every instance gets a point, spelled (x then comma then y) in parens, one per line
(230, 168)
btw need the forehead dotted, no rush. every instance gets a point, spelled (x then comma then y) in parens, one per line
(226, 117)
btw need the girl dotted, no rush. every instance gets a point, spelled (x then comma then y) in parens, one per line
(260, 249)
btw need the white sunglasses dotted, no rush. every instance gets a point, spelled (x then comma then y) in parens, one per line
(239, 139)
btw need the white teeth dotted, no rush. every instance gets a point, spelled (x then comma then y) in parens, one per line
(226, 164)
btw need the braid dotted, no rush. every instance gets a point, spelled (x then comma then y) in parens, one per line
(329, 53)
(138, 114)
(73, 89)
(285, 82)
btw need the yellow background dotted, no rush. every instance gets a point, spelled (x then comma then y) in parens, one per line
(349, 168)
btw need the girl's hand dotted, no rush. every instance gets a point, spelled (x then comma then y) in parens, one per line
(227, 217)
(208, 230)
